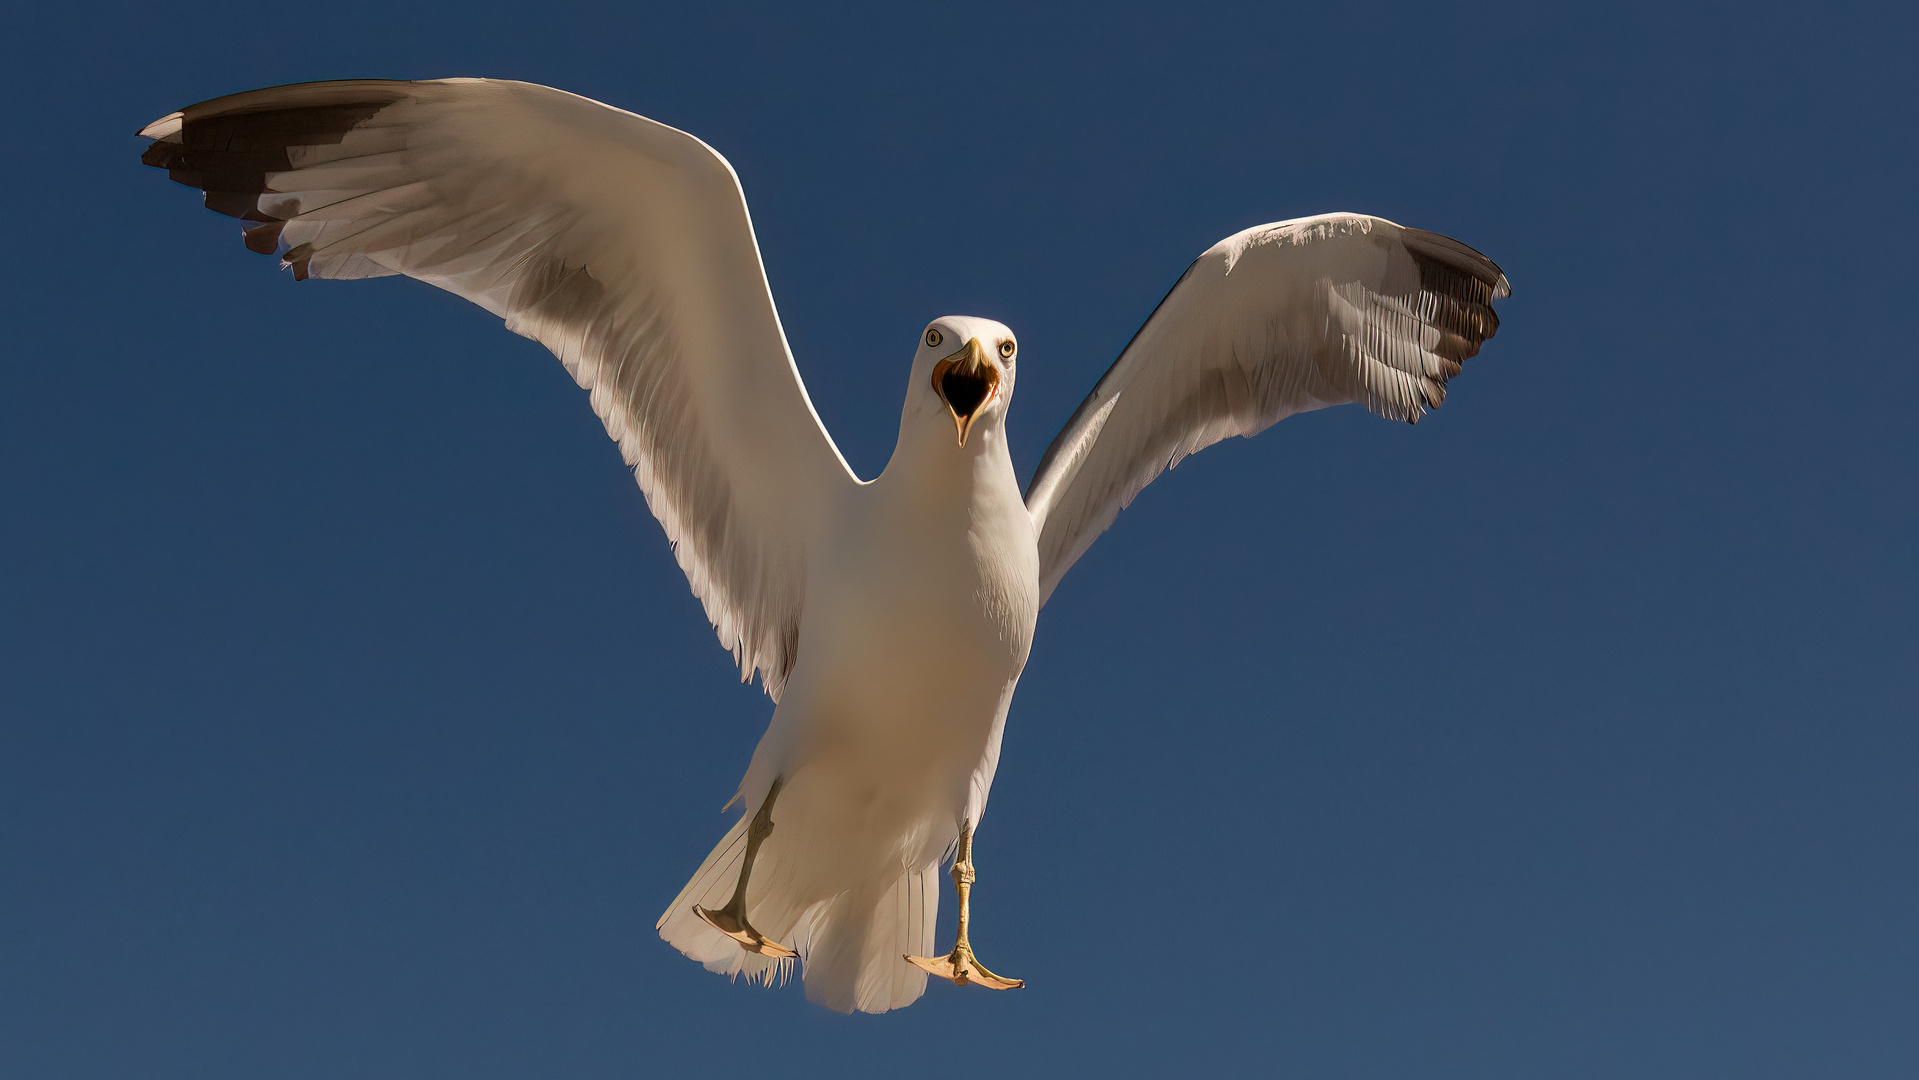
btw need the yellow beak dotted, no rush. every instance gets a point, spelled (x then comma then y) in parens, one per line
(966, 381)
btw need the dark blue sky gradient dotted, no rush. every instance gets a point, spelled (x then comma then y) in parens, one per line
(356, 722)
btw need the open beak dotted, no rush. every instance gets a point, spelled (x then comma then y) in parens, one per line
(966, 381)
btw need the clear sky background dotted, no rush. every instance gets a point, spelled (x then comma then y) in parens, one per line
(356, 722)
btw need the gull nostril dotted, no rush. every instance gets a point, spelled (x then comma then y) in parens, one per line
(963, 392)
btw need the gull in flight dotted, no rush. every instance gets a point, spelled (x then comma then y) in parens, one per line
(888, 619)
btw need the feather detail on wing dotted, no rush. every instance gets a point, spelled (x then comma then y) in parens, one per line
(621, 244)
(1279, 319)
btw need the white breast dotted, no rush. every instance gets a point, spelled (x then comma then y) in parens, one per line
(921, 613)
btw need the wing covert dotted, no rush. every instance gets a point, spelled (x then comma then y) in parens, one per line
(621, 244)
(1276, 320)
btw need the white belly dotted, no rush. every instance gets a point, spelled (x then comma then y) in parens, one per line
(918, 622)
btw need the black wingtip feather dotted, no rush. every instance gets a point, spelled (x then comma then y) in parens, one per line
(228, 146)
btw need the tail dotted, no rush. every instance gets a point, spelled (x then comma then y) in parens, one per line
(860, 940)
(852, 945)
(711, 887)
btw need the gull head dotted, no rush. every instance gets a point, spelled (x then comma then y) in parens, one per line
(968, 369)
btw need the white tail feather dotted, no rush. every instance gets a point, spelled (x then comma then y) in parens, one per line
(711, 887)
(852, 946)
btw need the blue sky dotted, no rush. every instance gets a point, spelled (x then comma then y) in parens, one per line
(355, 721)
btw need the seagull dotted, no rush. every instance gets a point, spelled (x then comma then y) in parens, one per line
(887, 619)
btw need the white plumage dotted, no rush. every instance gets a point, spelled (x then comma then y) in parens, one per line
(888, 620)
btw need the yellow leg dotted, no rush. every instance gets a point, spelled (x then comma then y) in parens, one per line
(731, 919)
(960, 965)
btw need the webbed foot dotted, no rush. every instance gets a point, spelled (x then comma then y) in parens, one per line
(960, 965)
(731, 919)
(964, 969)
(735, 926)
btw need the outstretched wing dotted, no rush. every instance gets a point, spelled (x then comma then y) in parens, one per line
(1276, 320)
(621, 244)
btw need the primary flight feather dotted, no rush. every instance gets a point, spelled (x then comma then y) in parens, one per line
(889, 620)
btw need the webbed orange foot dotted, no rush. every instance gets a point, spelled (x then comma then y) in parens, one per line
(960, 965)
(731, 919)
(964, 969)
(735, 926)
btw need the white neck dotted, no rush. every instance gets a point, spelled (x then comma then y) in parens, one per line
(928, 451)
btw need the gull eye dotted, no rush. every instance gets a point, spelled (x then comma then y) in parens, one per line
(933, 337)
(1006, 350)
